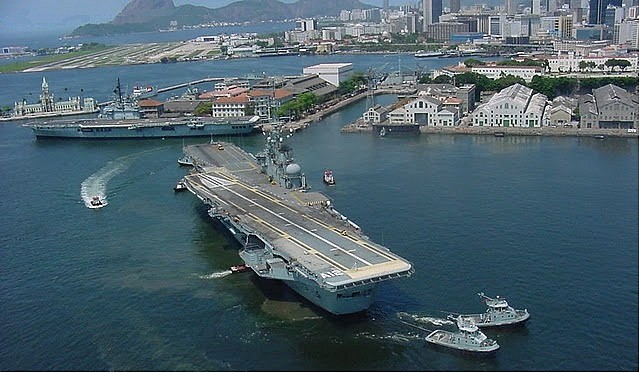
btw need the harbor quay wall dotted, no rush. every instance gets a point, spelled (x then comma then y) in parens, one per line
(528, 131)
(359, 126)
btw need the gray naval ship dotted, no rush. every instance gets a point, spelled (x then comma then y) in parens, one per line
(287, 232)
(498, 313)
(468, 338)
(122, 119)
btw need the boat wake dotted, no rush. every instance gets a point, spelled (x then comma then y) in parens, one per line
(96, 184)
(393, 337)
(425, 319)
(215, 275)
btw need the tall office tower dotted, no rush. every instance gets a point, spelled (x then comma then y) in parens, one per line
(454, 5)
(413, 23)
(510, 7)
(431, 11)
(597, 9)
(385, 4)
(535, 7)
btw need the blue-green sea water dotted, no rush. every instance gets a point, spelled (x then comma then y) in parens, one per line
(549, 223)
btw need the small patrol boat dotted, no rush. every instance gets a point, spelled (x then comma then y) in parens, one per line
(468, 338)
(328, 177)
(185, 161)
(97, 202)
(180, 186)
(239, 268)
(498, 313)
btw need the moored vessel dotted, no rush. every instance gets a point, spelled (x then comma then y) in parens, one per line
(498, 313)
(146, 128)
(121, 119)
(468, 338)
(428, 54)
(140, 92)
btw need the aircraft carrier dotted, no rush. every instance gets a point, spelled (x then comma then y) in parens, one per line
(287, 232)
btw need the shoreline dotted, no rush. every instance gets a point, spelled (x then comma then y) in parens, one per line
(526, 131)
(359, 127)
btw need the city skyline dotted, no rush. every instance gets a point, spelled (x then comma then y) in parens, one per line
(38, 16)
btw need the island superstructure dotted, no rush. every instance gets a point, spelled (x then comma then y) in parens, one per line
(287, 232)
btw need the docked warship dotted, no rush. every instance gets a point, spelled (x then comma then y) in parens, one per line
(288, 232)
(122, 120)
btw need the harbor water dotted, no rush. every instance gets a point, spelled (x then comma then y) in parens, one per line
(143, 283)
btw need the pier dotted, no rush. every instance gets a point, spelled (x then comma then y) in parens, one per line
(182, 85)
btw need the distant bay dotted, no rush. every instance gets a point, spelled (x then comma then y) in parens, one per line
(51, 40)
(549, 223)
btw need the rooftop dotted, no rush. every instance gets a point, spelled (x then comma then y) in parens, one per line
(329, 65)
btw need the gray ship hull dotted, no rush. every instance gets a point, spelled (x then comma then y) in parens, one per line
(486, 321)
(455, 341)
(140, 128)
(354, 299)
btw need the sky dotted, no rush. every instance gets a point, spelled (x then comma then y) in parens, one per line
(41, 16)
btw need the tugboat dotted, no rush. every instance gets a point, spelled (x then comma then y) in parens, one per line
(468, 338)
(327, 178)
(498, 313)
(97, 203)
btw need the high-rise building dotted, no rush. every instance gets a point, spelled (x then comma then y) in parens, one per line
(306, 25)
(454, 5)
(535, 7)
(598, 8)
(510, 7)
(413, 23)
(431, 11)
(626, 32)
(385, 4)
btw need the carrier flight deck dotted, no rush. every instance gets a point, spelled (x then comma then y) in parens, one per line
(288, 232)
